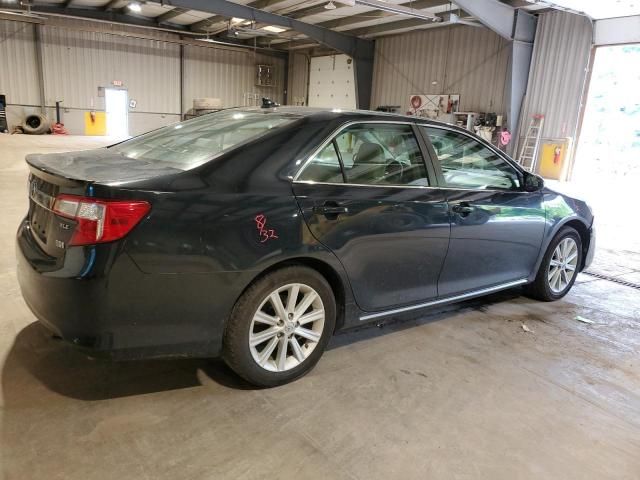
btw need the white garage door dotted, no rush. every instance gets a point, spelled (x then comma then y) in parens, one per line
(331, 82)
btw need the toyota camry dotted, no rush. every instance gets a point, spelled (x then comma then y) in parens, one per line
(254, 234)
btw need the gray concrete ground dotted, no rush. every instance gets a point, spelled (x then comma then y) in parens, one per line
(461, 393)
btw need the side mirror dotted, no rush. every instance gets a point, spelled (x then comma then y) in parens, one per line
(533, 182)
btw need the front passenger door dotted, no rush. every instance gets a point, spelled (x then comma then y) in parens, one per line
(496, 226)
(366, 196)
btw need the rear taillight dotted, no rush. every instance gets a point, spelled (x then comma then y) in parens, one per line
(100, 221)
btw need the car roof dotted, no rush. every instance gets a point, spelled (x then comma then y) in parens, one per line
(351, 114)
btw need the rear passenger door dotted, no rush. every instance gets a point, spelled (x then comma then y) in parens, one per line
(366, 195)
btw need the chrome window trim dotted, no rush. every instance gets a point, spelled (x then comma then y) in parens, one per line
(335, 133)
(455, 298)
(342, 127)
(433, 187)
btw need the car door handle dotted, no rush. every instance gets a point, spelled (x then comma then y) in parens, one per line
(331, 209)
(463, 209)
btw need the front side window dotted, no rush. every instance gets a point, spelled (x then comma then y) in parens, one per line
(194, 142)
(371, 154)
(466, 163)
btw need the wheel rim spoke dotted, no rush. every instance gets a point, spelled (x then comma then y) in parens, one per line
(308, 334)
(282, 353)
(277, 340)
(264, 318)
(305, 304)
(276, 303)
(297, 351)
(311, 317)
(267, 351)
(293, 298)
(258, 338)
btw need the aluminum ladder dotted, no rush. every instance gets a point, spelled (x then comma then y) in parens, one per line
(528, 157)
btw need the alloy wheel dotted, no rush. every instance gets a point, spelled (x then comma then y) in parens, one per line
(286, 327)
(563, 265)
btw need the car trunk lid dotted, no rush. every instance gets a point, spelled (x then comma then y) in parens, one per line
(53, 175)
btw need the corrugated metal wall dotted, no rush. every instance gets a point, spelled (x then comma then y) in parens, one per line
(470, 61)
(298, 78)
(18, 75)
(559, 67)
(80, 56)
(228, 74)
(76, 63)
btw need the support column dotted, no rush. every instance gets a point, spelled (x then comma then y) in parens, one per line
(39, 67)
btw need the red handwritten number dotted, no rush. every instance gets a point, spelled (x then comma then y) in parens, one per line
(264, 232)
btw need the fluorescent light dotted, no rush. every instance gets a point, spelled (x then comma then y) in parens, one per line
(135, 7)
(237, 20)
(271, 28)
(399, 9)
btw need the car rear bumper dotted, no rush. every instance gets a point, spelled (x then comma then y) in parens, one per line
(98, 299)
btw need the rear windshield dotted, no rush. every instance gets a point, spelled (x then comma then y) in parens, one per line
(194, 142)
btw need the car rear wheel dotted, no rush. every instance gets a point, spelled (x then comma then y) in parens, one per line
(280, 326)
(559, 267)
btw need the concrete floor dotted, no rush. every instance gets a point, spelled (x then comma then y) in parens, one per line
(461, 393)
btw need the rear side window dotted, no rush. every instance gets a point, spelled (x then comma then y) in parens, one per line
(324, 167)
(194, 142)
(370, 154)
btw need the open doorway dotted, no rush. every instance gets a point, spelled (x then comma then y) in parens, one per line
(607, 161)
(117, 108)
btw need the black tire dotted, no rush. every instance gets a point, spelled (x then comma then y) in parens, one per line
(36, 124)
(236, 351)
(540, 288)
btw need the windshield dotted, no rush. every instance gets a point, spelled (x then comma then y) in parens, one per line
(194, 142)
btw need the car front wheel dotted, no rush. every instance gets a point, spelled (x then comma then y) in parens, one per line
(280, 326)
(559, 267)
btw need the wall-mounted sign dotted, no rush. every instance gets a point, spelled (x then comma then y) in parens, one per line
(117, 83)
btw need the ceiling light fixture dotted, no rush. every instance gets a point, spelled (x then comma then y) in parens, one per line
(398, 9)
(330, 5)
(135, 7)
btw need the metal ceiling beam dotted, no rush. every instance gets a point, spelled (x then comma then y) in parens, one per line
(168, 15)
(312, 10)
(111, 5)
(359, 49)
(202, 24)
(384, 28)
(363, 17)
(101, 15)
(375, 14)
(496, 15)
(399, 25)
